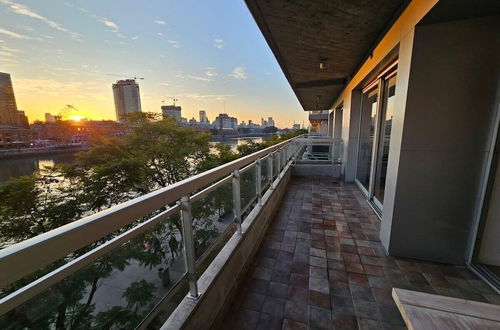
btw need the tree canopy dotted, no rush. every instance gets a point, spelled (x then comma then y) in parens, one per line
(153, 154)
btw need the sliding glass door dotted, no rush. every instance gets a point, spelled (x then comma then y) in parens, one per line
(377, 110)
(366, 136)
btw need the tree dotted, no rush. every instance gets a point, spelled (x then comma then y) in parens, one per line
(154, 154)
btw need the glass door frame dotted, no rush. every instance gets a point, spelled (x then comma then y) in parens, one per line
(379, 83)
(492, 165)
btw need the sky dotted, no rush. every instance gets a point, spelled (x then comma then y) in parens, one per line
(209, 54)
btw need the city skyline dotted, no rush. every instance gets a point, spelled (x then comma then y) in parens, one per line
(209, 56)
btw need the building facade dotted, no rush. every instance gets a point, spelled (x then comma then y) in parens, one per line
(203, 117)
(224, 122)
(127, 98)
(9, 114)
(415, 111)
(172, 111)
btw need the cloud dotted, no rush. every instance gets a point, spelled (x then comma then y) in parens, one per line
(164, 84)
(2, 53)
(205, 97)
(239, 73)
(200, 78)
(134, 38)
(174, 43)
(14, 34)
(209, 75)
(160, 34)
(218, 43)
(8, 49)
(160, 22)
(113, 26)
(210, 72)
(20, 9)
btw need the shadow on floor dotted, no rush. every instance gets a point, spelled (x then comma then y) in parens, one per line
(322, 266)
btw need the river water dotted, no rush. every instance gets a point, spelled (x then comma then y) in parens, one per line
(24, 165)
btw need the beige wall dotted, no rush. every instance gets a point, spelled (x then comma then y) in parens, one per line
(447, 74)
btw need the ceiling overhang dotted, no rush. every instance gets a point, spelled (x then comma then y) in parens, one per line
(339, 34)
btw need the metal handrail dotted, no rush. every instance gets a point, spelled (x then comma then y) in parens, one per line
(37, 286)
(26, 257)
(31, 255)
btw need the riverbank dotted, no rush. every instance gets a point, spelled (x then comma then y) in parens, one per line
(218, 138)
(28, 152)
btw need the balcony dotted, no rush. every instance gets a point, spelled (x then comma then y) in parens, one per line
(319, 264)
(315, 116)
(154, 247)
(322, 266)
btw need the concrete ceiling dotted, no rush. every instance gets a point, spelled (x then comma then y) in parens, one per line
(303, 32)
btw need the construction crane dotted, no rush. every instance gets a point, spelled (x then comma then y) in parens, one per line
(169, 97)
(124, 76)
(69, 112)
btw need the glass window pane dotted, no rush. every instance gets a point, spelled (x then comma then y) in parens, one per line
(366, 134)
(385, 138)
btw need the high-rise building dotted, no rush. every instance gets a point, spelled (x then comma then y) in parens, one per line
(203, 117)
(172, 111)
(9, 115)
(50, 118)
(22, 119)
(270, 122)
(127, 98)
(224, 122)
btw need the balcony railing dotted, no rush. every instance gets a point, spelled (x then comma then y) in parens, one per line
(97, 263)
(318, 115)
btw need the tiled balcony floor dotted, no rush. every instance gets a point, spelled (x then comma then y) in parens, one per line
(322, 266)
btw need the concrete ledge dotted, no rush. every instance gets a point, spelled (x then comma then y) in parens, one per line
(316, 168)
(221, 279)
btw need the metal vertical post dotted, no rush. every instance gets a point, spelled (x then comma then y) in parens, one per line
(237, 201)
(282, 161)
(258, 180)
(270, 167)
(278, 156)
(189, 253)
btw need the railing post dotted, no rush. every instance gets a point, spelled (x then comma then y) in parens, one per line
(189, 252)
(237, 201)
(258, 180)
(278, 156)
(270, 168)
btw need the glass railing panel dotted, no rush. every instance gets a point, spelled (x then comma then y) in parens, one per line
(117, 290)
(276, 169)
(265, 175)
(248, 188)
(212, 217)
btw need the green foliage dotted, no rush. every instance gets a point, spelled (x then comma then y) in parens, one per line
(153, 154)
(139, 294)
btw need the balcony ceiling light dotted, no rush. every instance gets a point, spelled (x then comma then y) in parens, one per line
(323, 64)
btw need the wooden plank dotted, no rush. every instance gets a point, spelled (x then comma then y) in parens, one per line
(425, 318)
(448, 304)
(427, 311)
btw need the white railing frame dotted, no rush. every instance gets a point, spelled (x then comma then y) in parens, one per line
(28, 256)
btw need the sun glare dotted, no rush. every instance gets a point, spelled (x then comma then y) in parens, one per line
(75, 118)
